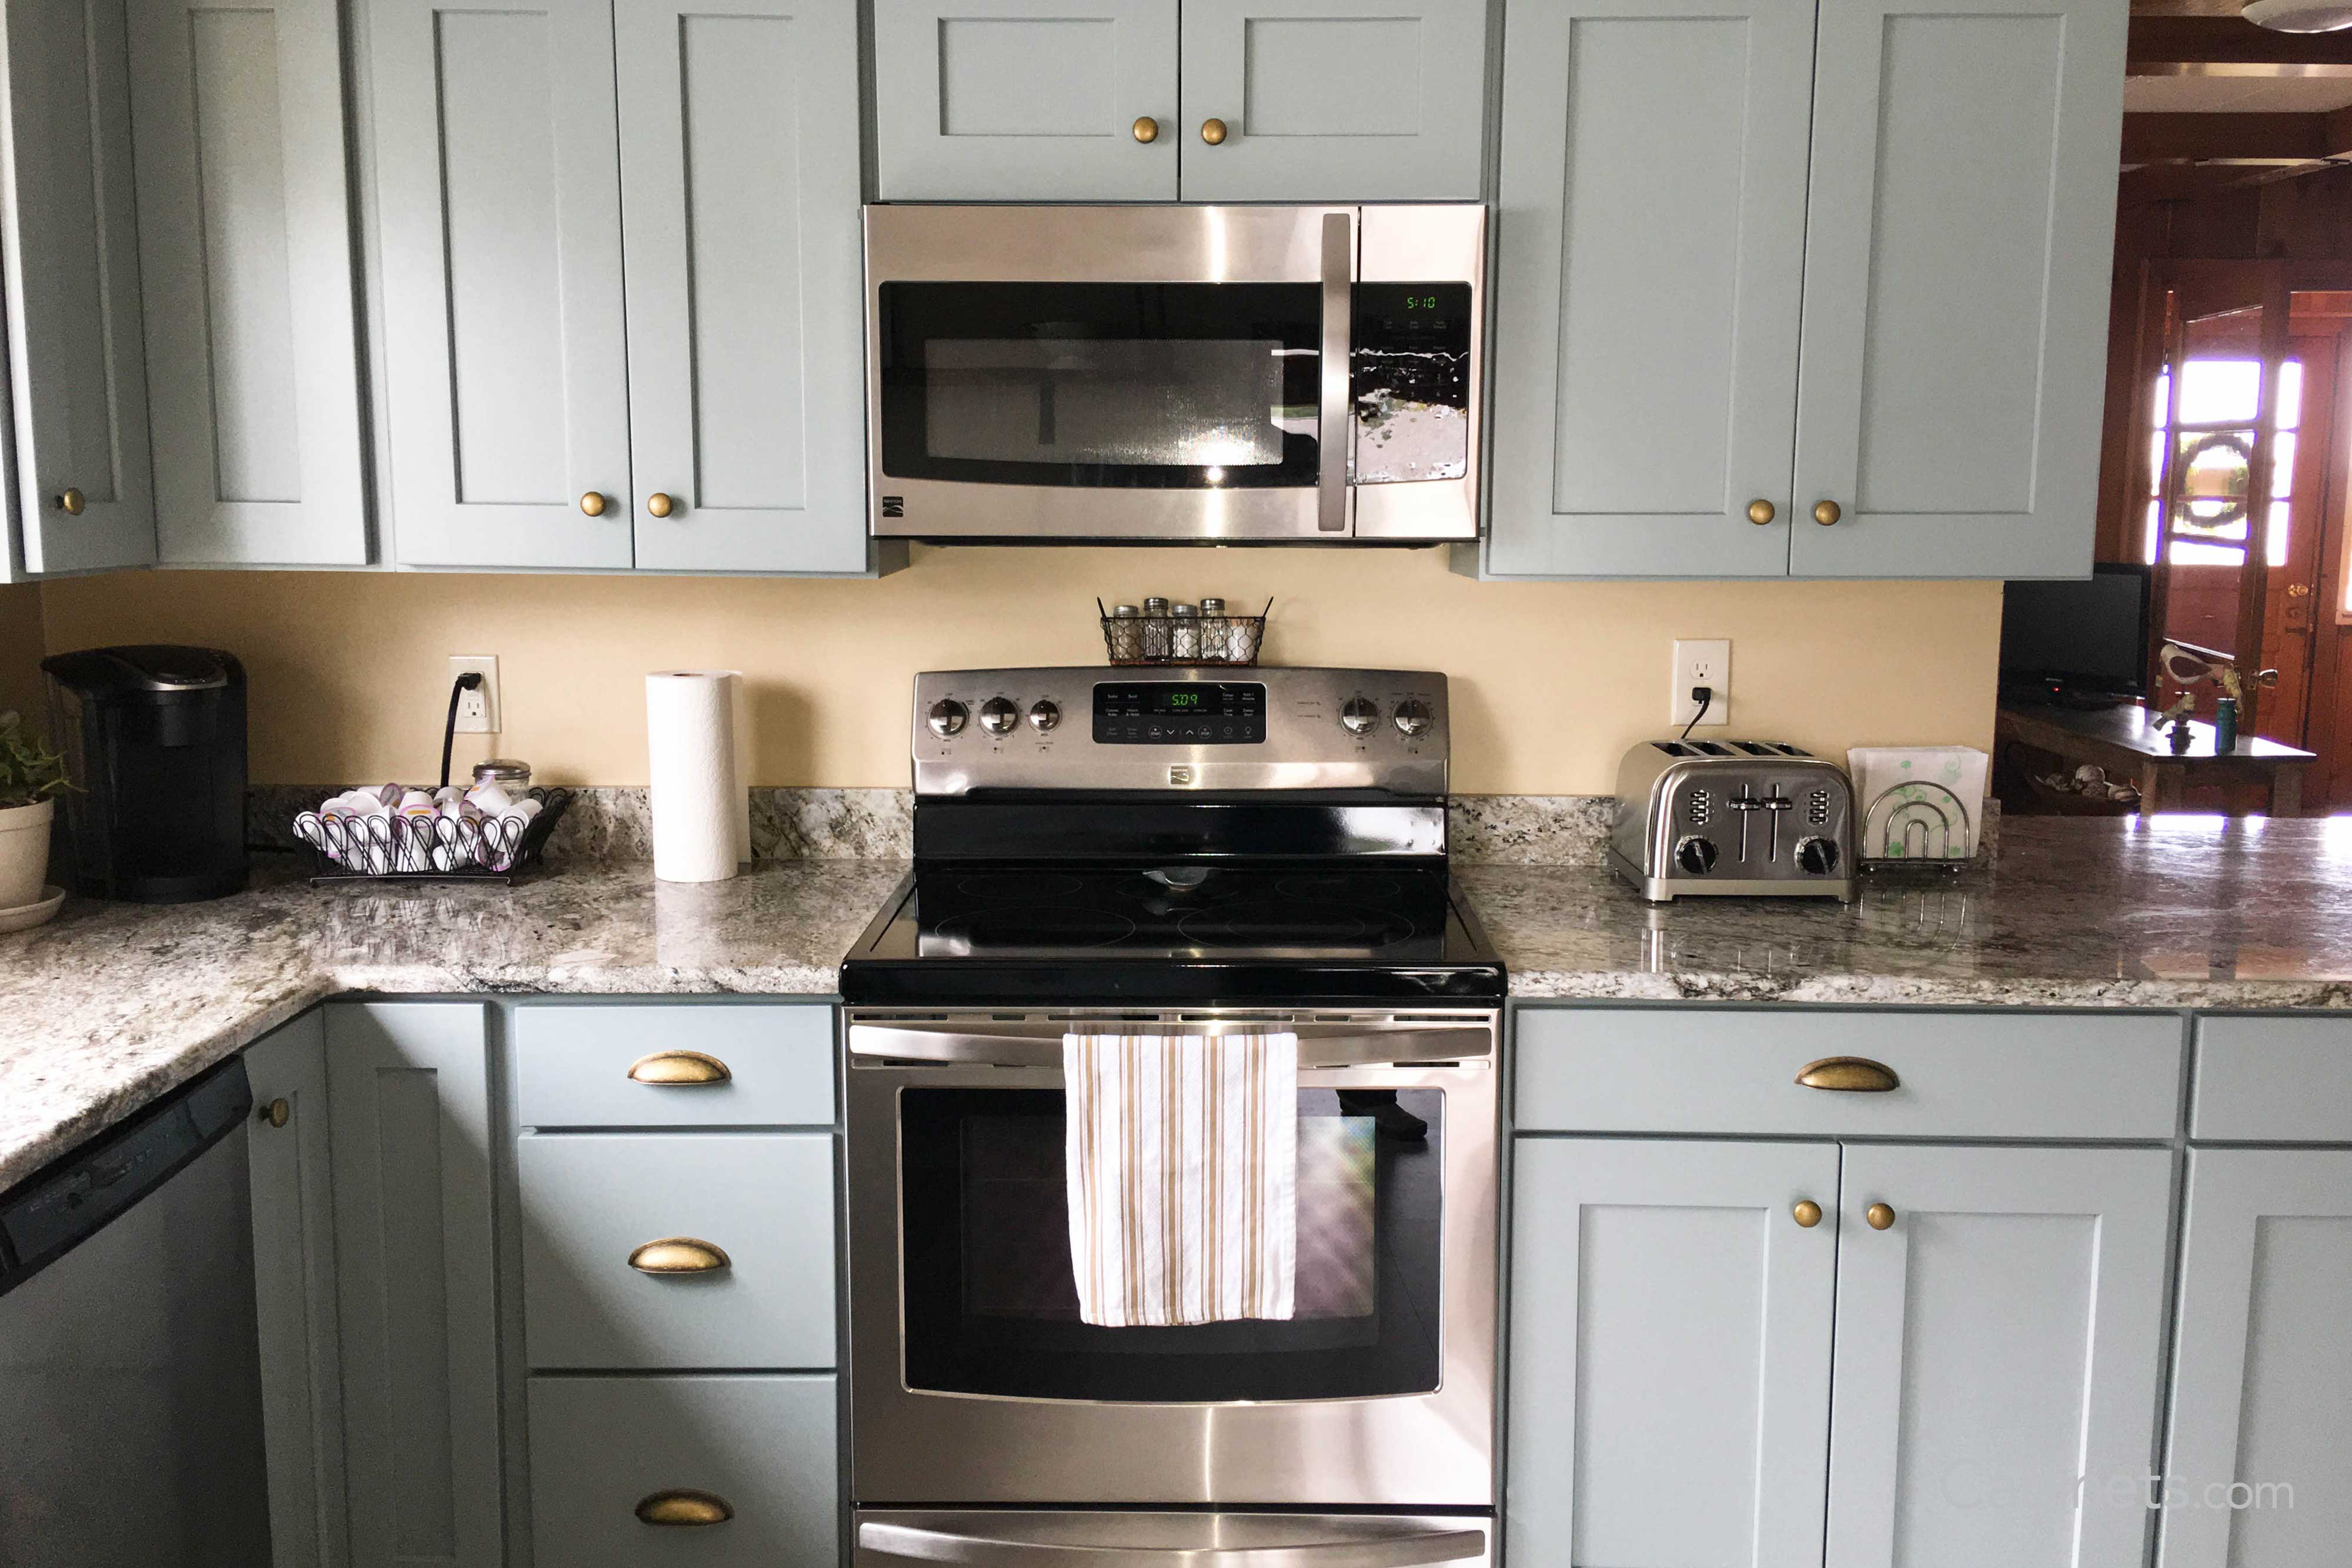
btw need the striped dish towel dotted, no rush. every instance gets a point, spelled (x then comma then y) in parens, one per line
(1182, 1161)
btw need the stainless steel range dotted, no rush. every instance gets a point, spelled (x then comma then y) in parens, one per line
(1192, 851)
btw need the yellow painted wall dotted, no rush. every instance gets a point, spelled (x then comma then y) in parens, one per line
(20, 651)
(1551, 680)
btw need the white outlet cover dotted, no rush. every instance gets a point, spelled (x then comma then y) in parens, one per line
(479, 711)
(1701, 661)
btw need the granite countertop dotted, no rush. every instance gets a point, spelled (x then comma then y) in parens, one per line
(112, 1006)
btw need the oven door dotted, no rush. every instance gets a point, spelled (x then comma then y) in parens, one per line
(1110, 372)
(974, 1380)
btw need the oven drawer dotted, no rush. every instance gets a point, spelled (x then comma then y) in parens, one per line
(748, 1282)
(1958, 1075)
(671, 1065)
(607, 1452)
(1074, 1539)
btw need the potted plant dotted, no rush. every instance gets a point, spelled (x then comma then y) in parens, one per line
(31, 777)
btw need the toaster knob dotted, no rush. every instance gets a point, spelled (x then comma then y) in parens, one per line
(947, 717)
(1819, 856)
(998, 715)
(1358, 715)
(1695, 855)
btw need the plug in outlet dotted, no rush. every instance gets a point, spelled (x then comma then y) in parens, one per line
(477, 710)
(1701, 661)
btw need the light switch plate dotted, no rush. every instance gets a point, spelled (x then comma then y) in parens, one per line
(1701, 661)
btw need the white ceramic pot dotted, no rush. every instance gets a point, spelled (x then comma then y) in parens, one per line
(24, 851)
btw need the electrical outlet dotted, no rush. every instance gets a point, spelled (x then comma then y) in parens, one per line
(477, 710)
(1701, 661)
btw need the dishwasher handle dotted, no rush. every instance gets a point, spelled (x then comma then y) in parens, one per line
(1009, 1548)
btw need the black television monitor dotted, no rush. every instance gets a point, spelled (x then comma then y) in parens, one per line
(2083, 638)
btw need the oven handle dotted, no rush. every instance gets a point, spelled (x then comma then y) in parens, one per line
(1320, 1045)
(1409, 1548)
(1334, 426)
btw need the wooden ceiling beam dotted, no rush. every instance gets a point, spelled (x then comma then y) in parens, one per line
(2231, 137)
(2231, 46)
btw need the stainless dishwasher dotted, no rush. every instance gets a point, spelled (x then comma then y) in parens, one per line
(130, 1367)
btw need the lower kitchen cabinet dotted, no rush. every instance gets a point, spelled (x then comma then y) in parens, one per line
(2259, 1472)
(726, 1471)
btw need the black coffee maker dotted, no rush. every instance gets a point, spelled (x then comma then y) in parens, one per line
(153, 737)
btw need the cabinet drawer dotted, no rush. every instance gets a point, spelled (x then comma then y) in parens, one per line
(601, 1446)
(1973, 1075)
(572, 1066)
(764, 1200)
(2273, 1081)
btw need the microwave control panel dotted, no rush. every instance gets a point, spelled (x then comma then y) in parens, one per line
(1410, 376)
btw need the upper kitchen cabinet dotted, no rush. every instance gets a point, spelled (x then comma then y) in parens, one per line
(1959, 244)
(1038, 100)
(1282, 100)
(245, 257)
(69, 251)
(499, 225)
(1328, 100)
(739, 186)
(1791, 326)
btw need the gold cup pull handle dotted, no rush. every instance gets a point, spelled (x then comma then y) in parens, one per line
(1760, 512)
(592, 503)
(1826, 513)
(678, 1069)
(1849, 1075)
(1213, 132)
(1147, 130)
(684, 1506)
(679, 1255)
(660, 504)
(1879, 1216)
(1807, 1213)
(72, 501)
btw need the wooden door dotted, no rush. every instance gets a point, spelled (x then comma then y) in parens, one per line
(1025, 100)
(1955, 306)
(245, 252)
(2259, 1472)
(1998, 1350)
(70, 253)
(1334, 100)
(408, 1086)
(1669, 1356)
(2300, 453)
(739, 185)
(294, 1296)
(1649, 270)
(499, 227)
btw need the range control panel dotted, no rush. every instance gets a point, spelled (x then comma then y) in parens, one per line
(1177, 713)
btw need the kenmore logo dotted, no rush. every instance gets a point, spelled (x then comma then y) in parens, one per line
(894, 505)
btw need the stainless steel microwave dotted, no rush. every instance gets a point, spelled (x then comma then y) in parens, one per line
(1174, 373)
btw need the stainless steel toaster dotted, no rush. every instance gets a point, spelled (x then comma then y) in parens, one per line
(1732, 818)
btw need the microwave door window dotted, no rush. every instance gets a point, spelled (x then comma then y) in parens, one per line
(1106, 386)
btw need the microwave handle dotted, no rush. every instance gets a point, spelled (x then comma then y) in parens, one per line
(1334, 427)
(1001, 1548)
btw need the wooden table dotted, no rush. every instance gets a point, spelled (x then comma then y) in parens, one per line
(2127, 743)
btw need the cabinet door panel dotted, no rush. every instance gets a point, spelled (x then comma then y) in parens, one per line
(70, 249)
(1997, 1357)
(1670, 1353)
(740, 183)
(500, 233)
(1333, 100)
(1956, 308)
(1650, 263)
(2261, 1369)
(409, 1090)
(991, 101)
(245, 240)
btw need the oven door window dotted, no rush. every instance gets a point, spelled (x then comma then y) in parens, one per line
(1109, 385)
(990, 1305)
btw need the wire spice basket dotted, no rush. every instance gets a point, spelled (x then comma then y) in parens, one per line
(429, 847)
(1134, 638)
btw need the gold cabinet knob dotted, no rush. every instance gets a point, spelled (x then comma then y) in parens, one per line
(72, 502)
(679, 1255)
(1827, 513)
(1808, 1213)
(1761, 512)
(1147, 129)
(683, 1505)
(1879, 1216)
(276, 1112)
(1849, 1075)
(672, 1069)
(593, 503)
(659, 505)
(1213, 132)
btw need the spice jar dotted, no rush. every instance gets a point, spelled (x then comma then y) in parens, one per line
(1184, 634)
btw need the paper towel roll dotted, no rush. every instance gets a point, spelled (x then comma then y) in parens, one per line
(701, 806)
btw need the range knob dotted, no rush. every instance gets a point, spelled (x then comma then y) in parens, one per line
(1358, 715)
(1819, 856)
(1043, 715)
(998, 715)
(1695, 855)
(1412, 715)
(947, 717)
